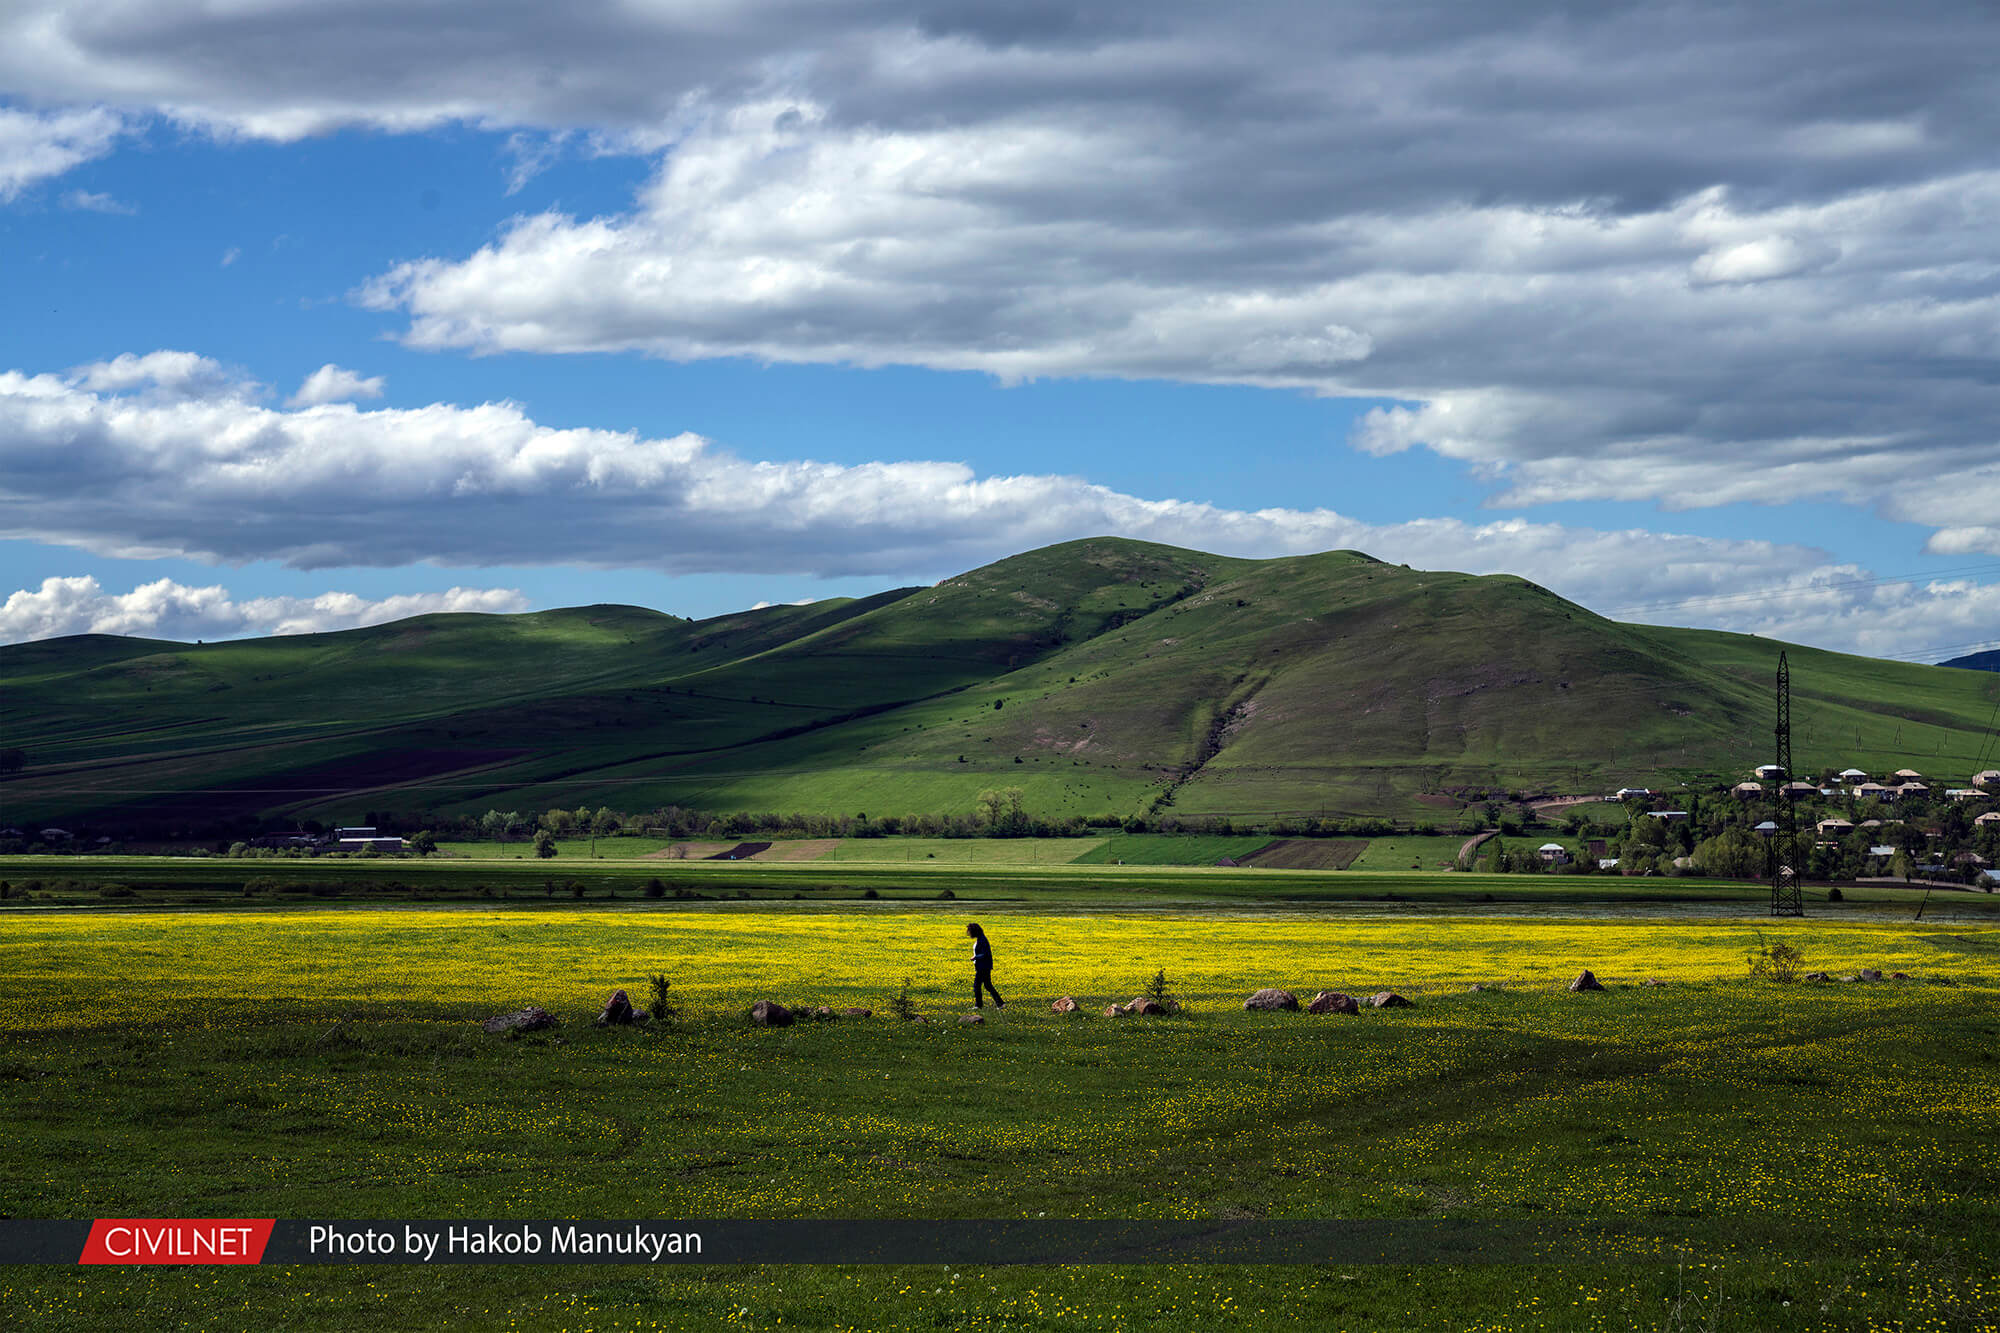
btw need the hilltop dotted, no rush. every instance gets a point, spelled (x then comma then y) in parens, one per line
(1102, 677)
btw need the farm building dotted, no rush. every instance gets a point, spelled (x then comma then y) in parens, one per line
(1747, 789)
(1769, 771)
(1852, 775)
(1988, 819)
(1988, 778)
(357, 839)
(1833, 828)
(1874, 791)
(1553, 854)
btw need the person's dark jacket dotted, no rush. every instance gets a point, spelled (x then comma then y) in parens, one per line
(982, 954)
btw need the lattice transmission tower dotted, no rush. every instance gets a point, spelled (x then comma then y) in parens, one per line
(1786, 899)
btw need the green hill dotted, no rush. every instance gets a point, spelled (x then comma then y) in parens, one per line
(1100, 677)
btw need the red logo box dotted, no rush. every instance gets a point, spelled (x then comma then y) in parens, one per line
(176, 1240)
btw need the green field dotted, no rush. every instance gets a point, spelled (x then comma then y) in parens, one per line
(326, 1061)
(1102, 678)
(1411, 853)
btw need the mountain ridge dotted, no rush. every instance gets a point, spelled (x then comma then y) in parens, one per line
(1104, 677)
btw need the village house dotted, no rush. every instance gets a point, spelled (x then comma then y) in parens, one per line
(1553, 854)
(1850, 776)
(1768, 771)
(1987, 820)
(1987, 778)
(1874, 791)
(358, 839)
(1745, 790)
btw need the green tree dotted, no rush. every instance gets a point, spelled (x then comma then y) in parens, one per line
(423, 843)
(545, 844)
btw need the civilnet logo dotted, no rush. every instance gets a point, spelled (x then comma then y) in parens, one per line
(155, 1240)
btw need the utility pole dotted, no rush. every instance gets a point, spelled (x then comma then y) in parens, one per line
(1785, 897)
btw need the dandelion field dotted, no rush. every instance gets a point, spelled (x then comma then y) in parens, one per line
(1812, 1156)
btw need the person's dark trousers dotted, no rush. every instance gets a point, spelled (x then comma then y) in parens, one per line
(984, 977)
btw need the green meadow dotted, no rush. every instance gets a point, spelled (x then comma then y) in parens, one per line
(1784, 1156)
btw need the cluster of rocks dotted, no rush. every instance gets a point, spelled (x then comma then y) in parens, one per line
(1865, 974)
(1138, 1004)
(771, 1014)
(1325, 1002)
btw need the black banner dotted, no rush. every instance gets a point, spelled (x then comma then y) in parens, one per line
(892, 1241)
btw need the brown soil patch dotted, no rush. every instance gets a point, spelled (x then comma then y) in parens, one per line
(799, 849)
(689, 851)
(1308, 853)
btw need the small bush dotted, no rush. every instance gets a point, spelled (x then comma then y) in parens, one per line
(664, 1009)
(901, 1005)
(115, 891)
(947, 895)
(870, 893)
(1776, 961)
(655, 889)
(1835, 896)
(1159, 990)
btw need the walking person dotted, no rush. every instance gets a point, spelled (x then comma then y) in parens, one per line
(982, 967)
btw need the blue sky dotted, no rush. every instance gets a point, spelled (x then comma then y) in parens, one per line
(698, 308)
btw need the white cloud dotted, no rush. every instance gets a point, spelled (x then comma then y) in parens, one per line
(35, 146)
(1690, 254)
(225, 478)
(165, 609)
(174, 374)
(231, 255)
(333, 384)
(85, 201)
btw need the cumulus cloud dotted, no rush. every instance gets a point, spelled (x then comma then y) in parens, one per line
(1690, 254)
(334, 384)
(129, 471)
(35, 145)
(170, 610)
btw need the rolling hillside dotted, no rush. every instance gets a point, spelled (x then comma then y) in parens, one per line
(1101, 677)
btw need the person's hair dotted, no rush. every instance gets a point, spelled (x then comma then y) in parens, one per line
(972, 928)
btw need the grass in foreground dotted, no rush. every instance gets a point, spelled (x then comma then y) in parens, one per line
(309, 1063)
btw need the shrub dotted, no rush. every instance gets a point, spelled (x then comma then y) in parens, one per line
(664, 1009)
(870, 893)
(1835, 896)
(655, 889)
(1776, 961)
(1159, 991)
(115, 891)
(901, 1005)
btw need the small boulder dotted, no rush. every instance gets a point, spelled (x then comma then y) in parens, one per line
(1066, 1005)
(1333, 1002)
(1652, 981)
(824, 1014)
(1388, 999)
(532, 1019)
(1850, 977)
(1272, 998)
(1585, 981)
(617, 1011)
(770, 1014)
(1145, 1004)
(1871, 974)
(1476, 987)
(1114, 1011)
(969, 1019)
(1817, 976)
(859, 1013)
(1899, 976)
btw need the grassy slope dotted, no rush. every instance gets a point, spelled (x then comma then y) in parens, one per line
(1100, 677)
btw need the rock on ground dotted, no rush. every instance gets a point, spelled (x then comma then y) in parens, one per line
(1144, 1004)
(1388, 999)
(1585, 981)
(618, 1012)
(859, 1013)
(770, 1014)
(1272, 998)
(1871, 974)
(1333, 1002)
(532, 1019)
(971, 1018)
(1114, 1011)
(1066, 1005)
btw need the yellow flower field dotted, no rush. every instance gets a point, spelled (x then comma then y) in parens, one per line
(64, 970)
